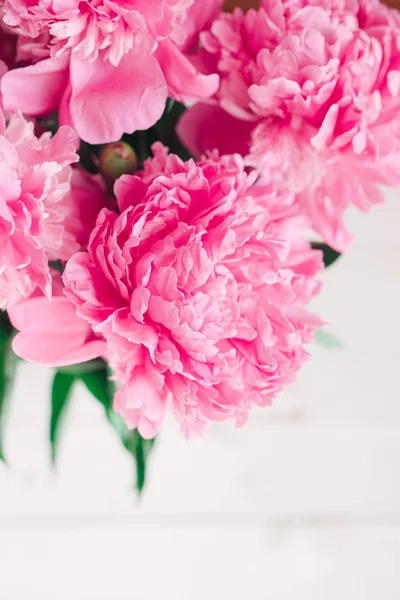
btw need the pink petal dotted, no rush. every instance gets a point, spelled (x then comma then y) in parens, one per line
(325, 133)
(185, 83)
(129, 190)
(223, 131)
(89, 351)
(108, 101)
(52, 334)
(39, 315)
(148, 429)
(140, 404)
(56, 350)
(64, 113)
(36, 89)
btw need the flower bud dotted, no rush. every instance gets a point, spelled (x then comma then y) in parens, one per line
(117, 159)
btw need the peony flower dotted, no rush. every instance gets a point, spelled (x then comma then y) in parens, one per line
(111, 63)
(317, 85)
(50, 331)
(41, 215)
(199, 288)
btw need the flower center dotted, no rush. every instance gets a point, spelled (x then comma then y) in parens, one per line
(99, 27)
(106, 28)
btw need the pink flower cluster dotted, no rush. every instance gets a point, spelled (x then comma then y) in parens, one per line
(195, 291)
(190, 278)
(311, 88)
(109, 64)
(198, 287)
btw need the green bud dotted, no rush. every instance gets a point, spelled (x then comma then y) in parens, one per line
(117, 159)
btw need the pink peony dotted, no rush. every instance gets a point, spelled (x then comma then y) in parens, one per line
(51, 333)
(41, 217)
(111, 63)
(317, 83)
(198, 288)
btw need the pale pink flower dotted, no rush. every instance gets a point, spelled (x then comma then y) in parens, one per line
(199, 287)
(50, 331)
(112, 63)
(318, 85)
(41, 217)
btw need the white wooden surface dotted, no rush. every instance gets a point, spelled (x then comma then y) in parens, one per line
(302, 504)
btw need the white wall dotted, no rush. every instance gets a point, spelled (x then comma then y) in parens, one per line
(302, 504)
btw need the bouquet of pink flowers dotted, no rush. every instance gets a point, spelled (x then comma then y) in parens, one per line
(163, 163)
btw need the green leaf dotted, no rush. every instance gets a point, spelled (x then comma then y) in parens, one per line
(56, 265)
(91, 366)
(8, 363)
(165, 129)
(140, 449)
(49, 122)
(100, 386)
(328, 340)
(169, 106)
(330, 255)
(88, 157)
(60, 396)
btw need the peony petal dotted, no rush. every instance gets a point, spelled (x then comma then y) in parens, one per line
(64, 113)
(89, 351)
(39, 315)
(56, 350)
(129, 190)
(108, 101)
(36, 89)
(51, 333)
(185, 83)
(223, 132)
(140, 404)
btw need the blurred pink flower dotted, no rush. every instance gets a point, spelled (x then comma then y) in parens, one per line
(40, 213)
(199, 287)
(51, 333)
(112, 63)
(317, 84)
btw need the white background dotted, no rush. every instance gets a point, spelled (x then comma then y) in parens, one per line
(301, 504)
